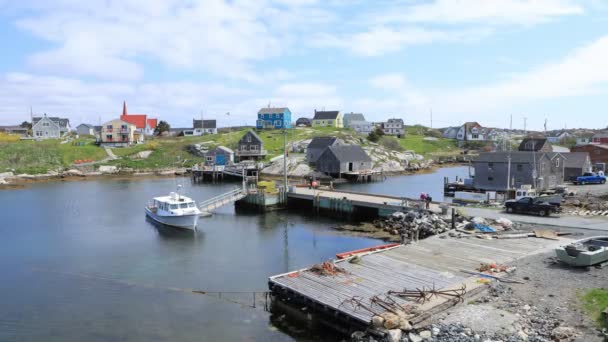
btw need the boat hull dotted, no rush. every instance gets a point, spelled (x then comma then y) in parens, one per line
(182, 221)
(582, 259)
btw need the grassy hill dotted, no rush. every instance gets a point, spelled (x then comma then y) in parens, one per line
(42, 156)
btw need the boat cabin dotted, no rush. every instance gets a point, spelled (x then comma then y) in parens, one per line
(174, 204)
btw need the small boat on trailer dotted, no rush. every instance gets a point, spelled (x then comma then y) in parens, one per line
(585, 252)
(174, 210)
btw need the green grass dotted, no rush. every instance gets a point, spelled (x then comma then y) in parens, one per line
(417, 144)
(595, 301)
(41, 156)
(34, 157)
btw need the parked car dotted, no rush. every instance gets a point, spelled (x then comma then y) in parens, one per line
(589, 178)
(530, 205)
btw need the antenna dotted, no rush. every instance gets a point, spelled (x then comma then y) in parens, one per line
(202, 124)
(545, 125)
(431, 117)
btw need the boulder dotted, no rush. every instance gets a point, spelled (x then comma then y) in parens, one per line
(394, 335)
(391, 321)
(425, 334)
(108, 169)
(74, 173)
(414, 337)
(562, 333)
(6, 174)
(377, 322)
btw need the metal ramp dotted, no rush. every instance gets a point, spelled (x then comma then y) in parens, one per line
(226, 198)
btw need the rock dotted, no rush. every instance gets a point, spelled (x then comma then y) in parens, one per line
(522, 335)
(504, 222)
(391, 321)
(479, 220)
(404, 324)
(414, 338)
(2, 181)
(425, 334)
(108, 169)
(6, 174)
(358, 336)
(562, 333)
(394, 335)
(142, 154)
(377, 322)
(527, 307)
(73, 172)
(435, 331)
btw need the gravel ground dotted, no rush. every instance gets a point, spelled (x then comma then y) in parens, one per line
(593, 189)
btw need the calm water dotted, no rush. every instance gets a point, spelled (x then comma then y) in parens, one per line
(412, 185)
(80, 262)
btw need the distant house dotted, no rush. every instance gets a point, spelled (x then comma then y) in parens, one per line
(471, 131)
(350, 117)
(219, 156)
(250, 147)
(495, 134)
(273, 118)
(535, 144)
(558, 137)
(584, 139)
(451, 132)
(362, 127)
(318, 145)
(45, 127)
(336, 160)
(200, 127)
(577, 163)
(141, 121)
(600, 138)
(491, 170)
(85, 129)
(394, 127)
(304, 122)
(331, 118)
(598, 153)
(15, 130)
(119, 133)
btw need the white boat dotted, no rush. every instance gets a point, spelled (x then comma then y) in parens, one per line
(174, 210)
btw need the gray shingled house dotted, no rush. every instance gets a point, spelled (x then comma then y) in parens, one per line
(336, 160)
(318, 145)
(536, 144)
(577, 163)
(348, 118)
(491, 170)
(250, 146)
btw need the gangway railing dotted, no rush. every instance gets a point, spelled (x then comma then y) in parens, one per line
(221, 200)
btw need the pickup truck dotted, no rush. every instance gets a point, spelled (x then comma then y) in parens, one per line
(529, 205)
(589, 178)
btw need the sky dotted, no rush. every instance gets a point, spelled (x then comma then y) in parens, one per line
(452, 60)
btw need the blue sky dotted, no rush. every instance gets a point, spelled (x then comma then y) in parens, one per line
(464, 60)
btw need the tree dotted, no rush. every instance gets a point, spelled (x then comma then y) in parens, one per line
(26, 124)
(375, 135)
(162, 127)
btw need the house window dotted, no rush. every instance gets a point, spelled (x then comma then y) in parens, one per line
(109, 136)
(557, 162)
(254, 147)
(46, 124)
(520, 167)
(123, 126)
(209, 158)
(491, 166)
(38, 133)
(490, 178)
(109, 127)
(244, 147)
(475, 136)
(260, 123)
(277, 123)
(249, 138)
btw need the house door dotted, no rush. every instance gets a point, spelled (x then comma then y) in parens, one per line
(350, 167)
(220, 159)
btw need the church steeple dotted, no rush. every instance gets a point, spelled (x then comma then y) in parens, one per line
(124, 108)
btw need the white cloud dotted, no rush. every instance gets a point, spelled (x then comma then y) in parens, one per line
(113, 39)
(493, 12)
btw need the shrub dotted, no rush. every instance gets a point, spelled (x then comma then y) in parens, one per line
(391, 143)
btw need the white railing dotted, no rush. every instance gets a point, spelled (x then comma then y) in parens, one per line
(221, 200)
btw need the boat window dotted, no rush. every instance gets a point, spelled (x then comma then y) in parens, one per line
(191, 205)
(183, 205)
(173, 206)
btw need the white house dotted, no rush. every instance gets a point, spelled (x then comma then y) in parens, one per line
(362, 127)
(50, 127)
(556, 138)
(394, 127)
(85, 129)
(200, 127)
(471, 131)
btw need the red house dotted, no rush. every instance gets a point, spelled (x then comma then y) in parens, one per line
(141, 121)
(600, 138)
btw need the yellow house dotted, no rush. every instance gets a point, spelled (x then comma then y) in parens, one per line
(328, 119)
(119, 133)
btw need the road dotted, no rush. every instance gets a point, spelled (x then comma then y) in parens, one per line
(595, 223)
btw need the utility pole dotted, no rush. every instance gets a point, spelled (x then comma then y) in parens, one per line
(431, 117)
(509, 155)
(202, 124)
(525, 125)
(285, 159)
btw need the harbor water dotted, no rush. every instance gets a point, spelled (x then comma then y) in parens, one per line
(80, 262)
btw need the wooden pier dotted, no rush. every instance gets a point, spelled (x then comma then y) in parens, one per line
(437, 263)
(353, 203)
(217, 173)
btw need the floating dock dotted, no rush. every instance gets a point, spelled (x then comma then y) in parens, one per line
(435, 263)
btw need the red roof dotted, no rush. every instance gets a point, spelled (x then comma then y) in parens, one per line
(152, 123)
(139, 120)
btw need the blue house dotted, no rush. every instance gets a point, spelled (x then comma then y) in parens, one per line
(274, 118)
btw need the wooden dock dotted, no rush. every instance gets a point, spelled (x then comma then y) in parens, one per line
(348, 202)
(436, 262)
